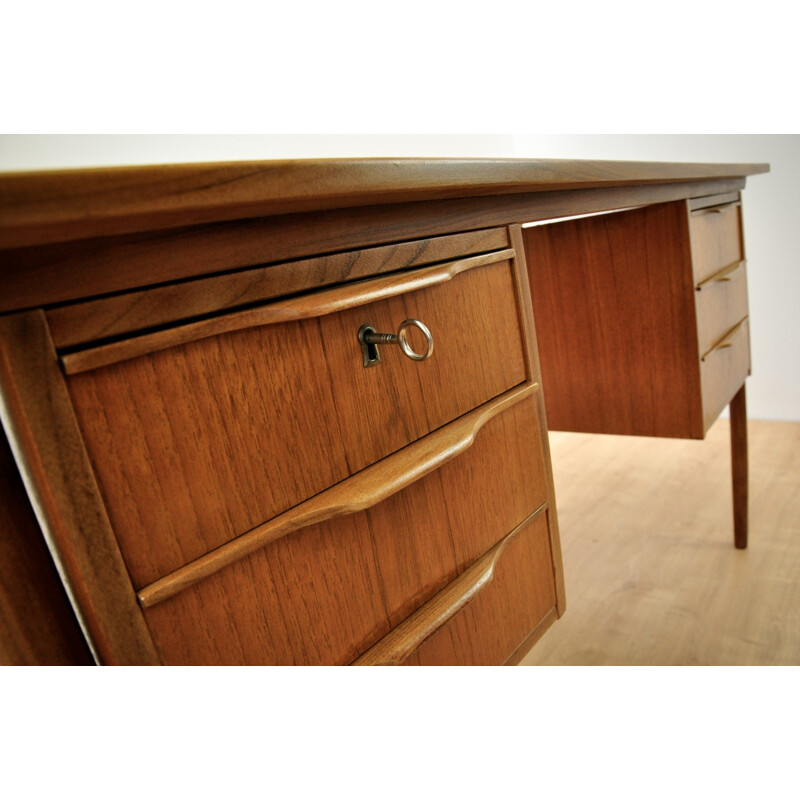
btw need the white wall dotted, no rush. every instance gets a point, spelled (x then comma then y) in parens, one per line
(771, 202)
(53, 152)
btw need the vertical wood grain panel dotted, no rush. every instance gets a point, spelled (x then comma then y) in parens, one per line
(716, 236)
(724, 370)
(308, 599)
(54, 465)
(37, 624)
(479, 348)
(326, 593)
(529, 328)
(189, 444)
(721, 304)
(503, 475)
(613, 300)
(204, 441)
(500, 618)
(120, 314)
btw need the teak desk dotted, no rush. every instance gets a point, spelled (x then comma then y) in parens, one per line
(293, 412)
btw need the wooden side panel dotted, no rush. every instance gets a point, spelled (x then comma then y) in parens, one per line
(328, 592)
(37, 624)
(524, 300)
(502, 616)
(613, 300)
(200, 443)
(55, 468)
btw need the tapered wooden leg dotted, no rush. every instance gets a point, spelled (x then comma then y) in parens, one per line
(739, 467)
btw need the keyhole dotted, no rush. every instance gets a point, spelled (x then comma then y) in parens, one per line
(368, 351)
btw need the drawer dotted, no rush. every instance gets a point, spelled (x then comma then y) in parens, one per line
(328, 591)
(497, 607)
(723, 370)
(716, 239)
(201, 432)
(721, 304)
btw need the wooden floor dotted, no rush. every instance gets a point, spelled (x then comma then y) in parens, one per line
(652, 576)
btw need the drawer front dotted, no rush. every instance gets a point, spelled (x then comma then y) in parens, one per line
(518, 595)
(723, 371)
(326, 593)
(199, 442)
(716, 238)
(721, 304)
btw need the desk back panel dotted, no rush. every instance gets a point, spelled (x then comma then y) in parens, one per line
(613, 299)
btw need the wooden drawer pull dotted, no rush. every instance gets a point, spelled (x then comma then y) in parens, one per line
(361, 491)
(726, 340)
(723, 276)
(310, 306)
(394, 648)
(715, 209)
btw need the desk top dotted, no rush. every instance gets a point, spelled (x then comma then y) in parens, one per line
(55, 206)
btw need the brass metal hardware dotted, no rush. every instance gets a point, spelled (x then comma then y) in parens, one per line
(370, 339)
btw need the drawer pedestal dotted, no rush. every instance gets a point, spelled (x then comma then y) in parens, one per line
(659, 342)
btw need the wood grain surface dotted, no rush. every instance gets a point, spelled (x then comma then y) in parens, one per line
(740, 468)
(613, 299)
(724, 370)
(716, 237)
(721, 304)
(78, 323)
(498, 619)
(533, 637)
(646, 532)
(394, 648)
(48, 274)
(696, 203)
(328, 592)
(44, 436)
(535, 374)
(357, 493)
(69, 204)
(37, 624)
(197, 444)
(309, 306)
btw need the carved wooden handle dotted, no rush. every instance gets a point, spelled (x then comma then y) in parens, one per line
(716, 209)
(315, 304)
(725, 341)
(362, 490)
(722, 276)
(394, 648)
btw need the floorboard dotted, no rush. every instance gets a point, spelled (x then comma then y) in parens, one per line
(651, 572)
